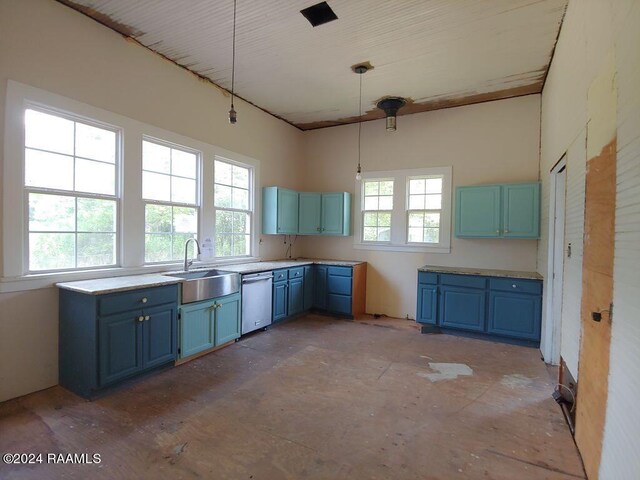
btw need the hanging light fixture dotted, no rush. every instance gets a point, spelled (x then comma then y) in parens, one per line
(390, 106)
(233, 116)
(360, 70)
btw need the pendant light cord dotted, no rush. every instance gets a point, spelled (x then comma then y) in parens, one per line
(233, 56)
(359, 120)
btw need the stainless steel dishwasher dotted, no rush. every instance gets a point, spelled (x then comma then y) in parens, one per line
(256, 301)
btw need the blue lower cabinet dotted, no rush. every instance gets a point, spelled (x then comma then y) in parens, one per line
(120, 346)
(159, 336)
(309, 286)
(514, 315)
(104, 339)
(320, 298)
(196, 328)
(427, 304)
(227, 318)
(280, 300)
(462, 307)
(493, 306)
(295, 302)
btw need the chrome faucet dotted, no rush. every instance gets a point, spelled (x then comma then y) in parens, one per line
(187, 262)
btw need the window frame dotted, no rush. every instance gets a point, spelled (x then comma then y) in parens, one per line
(131, 213)
(400, 213)
(251, 207)
(363, 211)
(76, 194)
(198, 202)
(409, 210)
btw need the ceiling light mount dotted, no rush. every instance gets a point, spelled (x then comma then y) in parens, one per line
(390, 106)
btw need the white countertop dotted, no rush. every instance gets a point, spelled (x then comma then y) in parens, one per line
(101, 286)
(482, 272)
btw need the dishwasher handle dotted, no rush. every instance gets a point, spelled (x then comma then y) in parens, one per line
(262, 278)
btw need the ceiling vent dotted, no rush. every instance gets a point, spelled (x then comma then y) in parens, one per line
(319, 14)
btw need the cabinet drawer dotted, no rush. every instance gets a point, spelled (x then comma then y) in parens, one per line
(296, 272)
(340, 271)
(279, 275)
(428, 278)
(339, 285)
(339, 303)
(516, 285)
(135, 299)
(470, 281)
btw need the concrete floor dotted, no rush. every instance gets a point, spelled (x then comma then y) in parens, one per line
(314, 398)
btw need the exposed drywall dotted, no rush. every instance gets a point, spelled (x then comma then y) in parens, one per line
(485, 143)
(593, 33)
(50, 46)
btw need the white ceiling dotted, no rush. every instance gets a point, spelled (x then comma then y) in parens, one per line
(437, 53)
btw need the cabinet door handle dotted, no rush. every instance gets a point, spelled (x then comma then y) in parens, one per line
(141, 318)
(218, 305)
(144, 300)
(506, 231)
(498, 232)
(514, 286)
(147, 317)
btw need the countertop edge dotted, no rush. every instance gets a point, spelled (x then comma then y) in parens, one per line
(80, 286)
(484, 272)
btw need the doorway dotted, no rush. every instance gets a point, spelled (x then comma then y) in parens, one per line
(550, 344)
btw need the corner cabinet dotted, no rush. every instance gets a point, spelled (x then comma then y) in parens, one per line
(498, 211)
(286, 212)
(498, 307)
(279, 211)
(105, 339)
(208, 324)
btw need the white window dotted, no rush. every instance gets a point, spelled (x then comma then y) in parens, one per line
(404, 210)
(233, 208)
(170, 191)
(70, 180)
(424, 209)
(377, 204)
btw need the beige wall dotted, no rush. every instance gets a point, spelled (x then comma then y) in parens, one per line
(47, 45)
(485, 143)
(599, 48)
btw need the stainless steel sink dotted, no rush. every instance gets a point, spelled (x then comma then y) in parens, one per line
(197, 286)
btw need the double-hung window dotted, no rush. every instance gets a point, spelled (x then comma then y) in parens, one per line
(424, 198)
(170, 191)
(405, 210)
(233, 208)
(377, 209)
(70, 179)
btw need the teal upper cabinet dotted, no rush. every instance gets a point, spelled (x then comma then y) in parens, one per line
(521, 210)
(279, 211)
(286, 212)
(478, 211)
(309, 219)
(505, 211)
(335, 213)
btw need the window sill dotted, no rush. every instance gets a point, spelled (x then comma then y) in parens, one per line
(47, 280)
(402, 248)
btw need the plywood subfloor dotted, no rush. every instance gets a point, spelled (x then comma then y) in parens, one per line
(315, 398)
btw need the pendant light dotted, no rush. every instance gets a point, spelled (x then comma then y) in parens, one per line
(360, 70)
(233, 116)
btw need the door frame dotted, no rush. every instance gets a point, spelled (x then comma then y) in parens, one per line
(552, 322)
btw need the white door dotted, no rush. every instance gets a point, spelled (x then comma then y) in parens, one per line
(550, 342)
